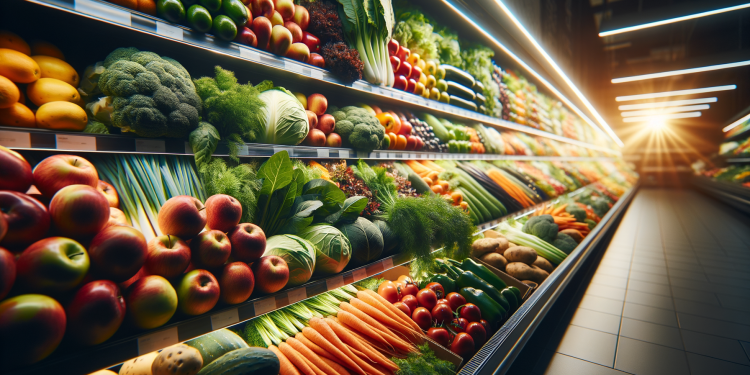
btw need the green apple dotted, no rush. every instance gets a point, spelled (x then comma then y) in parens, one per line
(52, 265)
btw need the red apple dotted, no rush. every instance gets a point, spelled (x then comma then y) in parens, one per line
(327, 123)
(223, 212)
(95, 312)
(126, 284)
(405, 128)
(117, 217)
(263, 8)
(317, 103)
(416, 72)
(299, 52)
(317, 60)
(281, 40)
(197, 292)
(109, 192)
(117, 253)
(316, 138)
(35, 324)
(246, 36)
(151, 302)
(3, 227)
(262, 28)
(301, 17)
(333, 140)
(411, 142)
(59, 171)
(285, 8)
(393, 47)
(277, 19)
(15, 171)
(52, 265)
(312, 41)
(7, 272)
(312, 119)
(210, 249)
(403, 54)
(295, 30)
(79, 211)
(404, 69)
(272, 273)
(395, 63)
(399, 82)
(248, 242)
(27, 219)
(236, 282)
(167, 256)
(182, 216)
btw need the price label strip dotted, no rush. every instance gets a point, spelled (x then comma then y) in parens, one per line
(150, 145)
(359, 274)
(76, 142)
(15, 139)
(224, 319)
(297, 295)
(169, 31)
(264, 306)
(157, 340)
(334, 282)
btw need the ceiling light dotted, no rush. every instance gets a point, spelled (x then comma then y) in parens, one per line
(662, 117)
(736, 123)
(681, 72)
(675, 93)
(673, 20)
(629, 107)
(649, 112)
(560, 72)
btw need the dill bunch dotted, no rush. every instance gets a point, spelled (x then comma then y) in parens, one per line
(240, 182)
(423, 363)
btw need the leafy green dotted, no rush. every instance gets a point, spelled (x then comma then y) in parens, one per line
(96, 127)
(448, 47)
(415, 32)
(349, 212)
(283, 117)
(425, 363)
(332, 249)
(240, 182)
(371, 283)
(477, 61)
(368, 25)
(203, 142)
(366, 241)
(298, 253)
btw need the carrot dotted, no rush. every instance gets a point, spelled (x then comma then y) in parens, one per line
(383, 331)
(417, 168)
(311, 356)
(380, 316)
(384, 302)
(457, 198)
(368, 299)
(375, 345)
(433, 176)
(319, 325)
(319, 339)
(313, 367)
(383, 369)
(354, 342)
(296, 359)
(557, 211)
(314, 347)
(287, 368)
(336, 366)
(351, 321)
(431, 165)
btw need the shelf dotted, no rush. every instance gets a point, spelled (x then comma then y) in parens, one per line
(733, 194)
(738, 160)
(46, 140)
(123, 17)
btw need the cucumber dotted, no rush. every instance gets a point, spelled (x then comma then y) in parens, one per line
(463, 103)
(511, 297)
(216, 344)
(418, 183)
(478, 86)
(480, 99)
(457, 75)
(244, 361)
(483, 109)
(475, 204)
(459, 90)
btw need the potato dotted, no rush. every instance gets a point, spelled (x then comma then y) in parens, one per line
(573, 233)
(495, 260)
(530, 283)
(539, 274)
(543, 264)
(521, 271)
(504, 245)
(178, 359)
(139, 365)
(511, 244)
(484, 246)
(492, 234)
(521, 254)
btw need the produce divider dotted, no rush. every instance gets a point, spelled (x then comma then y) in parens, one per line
(733, 194)
(123, 17)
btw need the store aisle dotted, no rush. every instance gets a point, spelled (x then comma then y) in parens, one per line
(671, 295)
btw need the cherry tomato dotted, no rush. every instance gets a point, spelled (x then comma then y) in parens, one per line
(444, 301)
(442, 314)
(440, 335)
(402, 306)
(458, 324)
(470, 312)
(437, 288)
(486, 326)
(463, 345)
(410, 289)
(477, 332)
(427, 298)
(410, 302)
(455, 300)
(422, 317)
(406, 279)
(390, 291)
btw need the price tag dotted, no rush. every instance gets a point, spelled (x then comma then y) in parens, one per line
(297, 295)
(279, 149)
(412, 156)
(76, 142)
(317, 74)
(169, 31)
(388, 263)
(243, 150)
(150, 145)
(224, 319)
(104, 11)
(157, 340)
(15, 139)
(247, 53)
(323, 152)
(335, 282)
(293, 67)
(265, 305)
(359, 274)
(391, 155)
(344, 154)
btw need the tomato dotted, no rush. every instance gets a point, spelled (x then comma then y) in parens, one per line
(406, 279)
(463, 345)
(442, 314)
(390, 291)
(458, 324)
(486, 326)
(437, 288)
(455, 300)
(422, 317)
(477, 332)
(410, 289)
(443, 301)
(427, 298)
(402, 306)
(470, 312)
(440, 335)
(410, 302)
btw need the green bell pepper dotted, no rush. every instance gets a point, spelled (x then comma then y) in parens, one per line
(480, 270)
(517, 292)
(491, 310)
(511, 297)
(469, 279)
(448, 284)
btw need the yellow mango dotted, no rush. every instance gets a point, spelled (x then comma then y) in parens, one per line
(9, 93)
(17, 115)
(18, 67)
(47, 90)
(52, 67)
(61, 116)
(40, 47)
(14, 42)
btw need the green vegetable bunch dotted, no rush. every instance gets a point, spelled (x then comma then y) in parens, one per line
(368, 25)
(477, 61)
(542, 226)
(240, 182)
(358, 128)
(425, 363)
(415, 32)
(565, 243)
(146, 94)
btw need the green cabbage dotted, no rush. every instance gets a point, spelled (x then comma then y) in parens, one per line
(284, 118)
(332, 249)
(298, 254)
(366, 240)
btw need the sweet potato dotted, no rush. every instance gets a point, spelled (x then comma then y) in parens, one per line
(495, 260)
(521, 254)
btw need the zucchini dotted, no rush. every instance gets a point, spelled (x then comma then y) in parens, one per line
(437, 127)
(483, 110)
(482, 212)
(493, 204)
(480, 99)
(418, 183)
(244, 361)
(457, 75)
(463, 103)
(456, 89)
(478, 86)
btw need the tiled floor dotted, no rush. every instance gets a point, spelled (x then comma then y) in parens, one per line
(671, 295)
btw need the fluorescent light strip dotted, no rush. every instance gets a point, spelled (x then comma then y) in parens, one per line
(681, 72)
(656, 112)
(675, 93)
(673, 20)
(562, 74)
(630, 107)
(736, 123)
(662, 117)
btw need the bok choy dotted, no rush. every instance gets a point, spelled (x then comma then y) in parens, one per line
(368, 25)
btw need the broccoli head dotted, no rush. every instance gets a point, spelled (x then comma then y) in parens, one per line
(600, 206)
(358, 128)
(565, 243)
(542, 226)
(366, 137)
(345, 129)
(577, 212)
